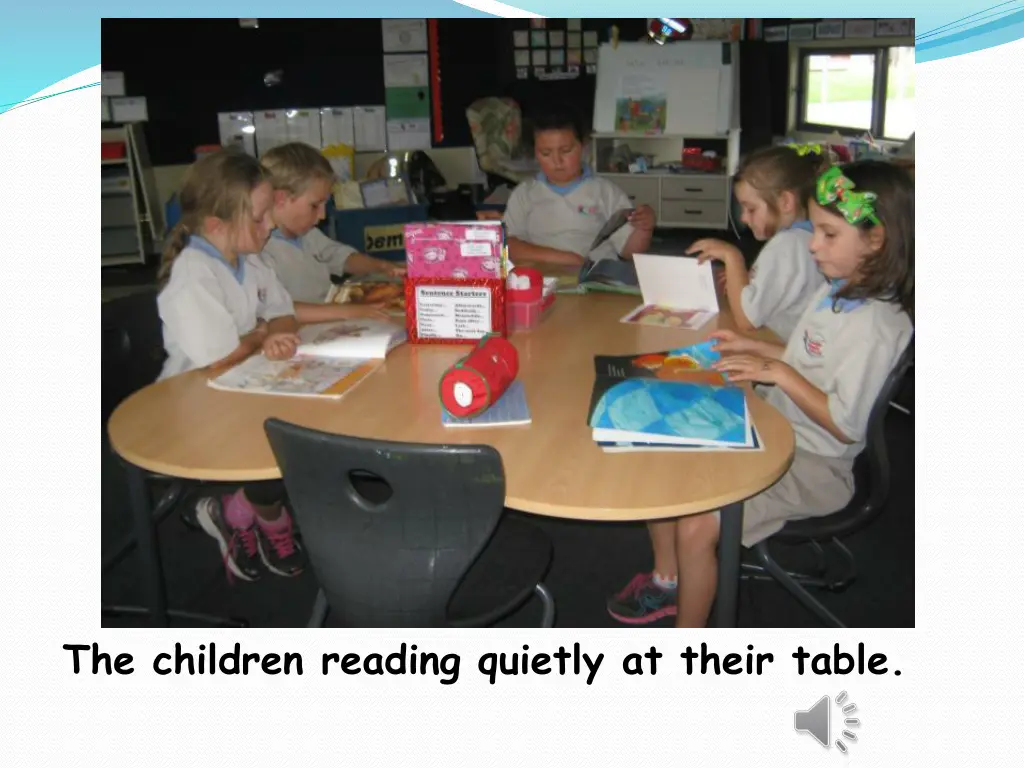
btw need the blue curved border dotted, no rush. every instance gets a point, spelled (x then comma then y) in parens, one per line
(42, 43)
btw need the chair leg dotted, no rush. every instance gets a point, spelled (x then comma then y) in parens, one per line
(190, 616)
(163, 508)
(794, 588)
(320, 608)
(548, 619)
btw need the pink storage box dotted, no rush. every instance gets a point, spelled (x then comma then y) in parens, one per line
(461, 250)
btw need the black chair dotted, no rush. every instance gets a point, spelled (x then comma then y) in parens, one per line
(132, 356)
(408, 534)
(871, 491)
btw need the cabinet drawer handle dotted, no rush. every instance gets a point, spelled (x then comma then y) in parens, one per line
(632, 197)
(694, 189)
(696, 213)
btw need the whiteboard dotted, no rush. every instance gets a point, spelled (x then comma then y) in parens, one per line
(697, 86)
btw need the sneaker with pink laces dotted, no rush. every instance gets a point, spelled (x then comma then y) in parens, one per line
(281, 552)
(238, 546)
(643, 601)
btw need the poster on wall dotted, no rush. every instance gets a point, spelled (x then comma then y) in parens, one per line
(404, 35)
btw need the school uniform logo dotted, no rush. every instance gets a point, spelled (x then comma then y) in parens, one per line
(261, 295)
(587, 210)
(814, 344)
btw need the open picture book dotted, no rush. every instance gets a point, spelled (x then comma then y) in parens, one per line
(331, 360)
(677, 292)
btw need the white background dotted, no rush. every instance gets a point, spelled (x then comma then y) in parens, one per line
(959, 693)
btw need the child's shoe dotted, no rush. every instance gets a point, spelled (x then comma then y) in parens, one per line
(238, 545)
(281, 552)
(643, 601)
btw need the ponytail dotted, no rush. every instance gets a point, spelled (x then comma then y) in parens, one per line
(176, 242)
(217, 185)
(786, 167)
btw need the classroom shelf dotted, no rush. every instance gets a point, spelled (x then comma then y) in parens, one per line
(130, 224)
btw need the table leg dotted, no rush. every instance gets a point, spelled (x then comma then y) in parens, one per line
(730, 546)
(149, 552)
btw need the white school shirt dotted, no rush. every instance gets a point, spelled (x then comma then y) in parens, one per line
(848, 355)
(568, 218)
(304, 265)
(208, 305)
(782, 281)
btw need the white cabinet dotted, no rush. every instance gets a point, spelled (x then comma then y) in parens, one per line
(680, 198)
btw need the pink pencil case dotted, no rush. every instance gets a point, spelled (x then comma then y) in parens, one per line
(470, 250)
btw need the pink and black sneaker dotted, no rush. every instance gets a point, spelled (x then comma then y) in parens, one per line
(643, 601)
(279, 549)
(238, 546)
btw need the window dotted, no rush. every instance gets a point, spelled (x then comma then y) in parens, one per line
(857, 90)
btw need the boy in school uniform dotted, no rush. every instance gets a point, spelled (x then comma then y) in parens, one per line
(303, 257)
(554, 218)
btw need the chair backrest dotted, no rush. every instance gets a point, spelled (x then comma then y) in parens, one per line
(132, 352)
(876, 450)
(394, 561)
(872, 471)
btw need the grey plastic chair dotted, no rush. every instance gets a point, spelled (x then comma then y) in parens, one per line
(408, 534)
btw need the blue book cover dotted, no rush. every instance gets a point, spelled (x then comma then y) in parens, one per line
(509, 409)
(665, 411)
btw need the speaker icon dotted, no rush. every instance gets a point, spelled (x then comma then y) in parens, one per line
(817, 721)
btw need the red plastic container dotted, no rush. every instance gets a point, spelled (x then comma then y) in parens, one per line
(526, 315)
(113, 150)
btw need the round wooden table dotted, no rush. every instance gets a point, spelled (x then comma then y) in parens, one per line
(183, 428)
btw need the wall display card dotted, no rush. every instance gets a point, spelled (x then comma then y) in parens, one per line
(404, 35)
(574, 40)
(129, 109)
(893, 28)
(829, 30)
(406, 103)
(371, 135)
(574, 25)
(556, 58)
(538, 23)
(112, 84)
(590, 39)
(781, 34)
(539, 38)
(237, 129)
(104, 109)
(405, 71)
(860, 28)
(801, 32)
(590, 56)
(521, 38)
(522, 58)
(337, 126)
(409, 133)
(540, 58)
(574, 57)
(556, 38)
(522, 73)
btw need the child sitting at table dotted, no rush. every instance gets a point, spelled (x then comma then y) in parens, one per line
(826, 380)
(772, 187)
(220, 304)
(554, 218)
(303, 256)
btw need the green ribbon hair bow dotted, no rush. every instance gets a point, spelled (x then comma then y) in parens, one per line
(806, 149)
(834, 187)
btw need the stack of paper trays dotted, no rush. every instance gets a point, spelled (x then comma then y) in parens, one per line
(668, 401)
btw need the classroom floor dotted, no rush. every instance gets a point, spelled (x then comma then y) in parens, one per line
(591, 560)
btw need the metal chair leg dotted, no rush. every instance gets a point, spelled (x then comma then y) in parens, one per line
(548, 619)
(794, 588)
(319, 613)
(202, 618)
(163, 508)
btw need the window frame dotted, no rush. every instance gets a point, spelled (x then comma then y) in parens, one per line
(879, 86)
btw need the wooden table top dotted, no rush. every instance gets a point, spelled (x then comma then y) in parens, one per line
(183, 428)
